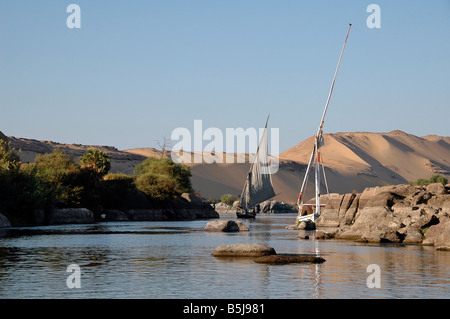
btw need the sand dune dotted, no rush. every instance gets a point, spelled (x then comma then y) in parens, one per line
(353, 162)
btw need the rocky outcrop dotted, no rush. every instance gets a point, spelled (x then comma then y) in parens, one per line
(439, 236)
(4, 221)
(190, 207)
(397, 213)
(113, 215)
(225, 226)
(275, 207)
(187, 207)
(146, 215)
(304, 225)
(267, 207)
(71, 216)
(222, 208)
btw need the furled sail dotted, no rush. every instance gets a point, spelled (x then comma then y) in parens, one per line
(258, 186)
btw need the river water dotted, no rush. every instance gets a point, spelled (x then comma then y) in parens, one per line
(174, 260)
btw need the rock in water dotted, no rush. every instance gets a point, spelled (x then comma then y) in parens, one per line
(320, 234)
(243, 250)
(226, 226)
(306, 225)
(288, 259)
(439, 235)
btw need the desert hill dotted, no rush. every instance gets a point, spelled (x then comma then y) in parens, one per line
(393, 158)
(353, 162)
(123, 162)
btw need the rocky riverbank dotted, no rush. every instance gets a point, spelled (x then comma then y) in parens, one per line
(187, 207)
(267, 207)
(397, 214)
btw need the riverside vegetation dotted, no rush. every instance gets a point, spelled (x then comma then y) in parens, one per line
(30, 192)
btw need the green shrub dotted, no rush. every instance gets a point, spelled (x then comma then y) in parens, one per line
(162, 179)
(9, 160)
(118, 177)
(157, 186)
(433, 179)
(62, 178)
(228, 199)
(21, 192)
(439, 179)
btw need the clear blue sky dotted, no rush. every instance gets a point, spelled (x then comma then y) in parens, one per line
(136, 70)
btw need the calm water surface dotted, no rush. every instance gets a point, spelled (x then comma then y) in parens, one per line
(173, 260)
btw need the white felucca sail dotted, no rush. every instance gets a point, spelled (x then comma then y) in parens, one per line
(258, 185)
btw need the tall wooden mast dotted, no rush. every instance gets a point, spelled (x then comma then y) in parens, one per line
(315, 154)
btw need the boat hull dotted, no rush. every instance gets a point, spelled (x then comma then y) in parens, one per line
(311, 217)
(245, 214)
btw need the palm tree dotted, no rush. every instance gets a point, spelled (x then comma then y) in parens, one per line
(96, 161)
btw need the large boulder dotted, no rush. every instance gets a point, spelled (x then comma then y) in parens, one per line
(376, 196)
(113, 215)
(70, 216)
(328, 234)
(436, 189)
(192, 199)
(329, 216)
(348, 208)
(439, 235)
(375, 222)
(145, 215)
(410, 235)
(4, 221)
(442, 242)
(193, 207)
(225, 226)
(243, 250)
(223, 208)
